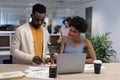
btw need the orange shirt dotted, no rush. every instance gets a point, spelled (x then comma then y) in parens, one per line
(38, 40)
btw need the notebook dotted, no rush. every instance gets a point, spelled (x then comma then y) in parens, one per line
(71, 63)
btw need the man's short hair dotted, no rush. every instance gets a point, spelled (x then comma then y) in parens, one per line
(39, 8)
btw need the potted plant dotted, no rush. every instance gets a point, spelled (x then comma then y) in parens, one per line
(102, 46)
(57, 28)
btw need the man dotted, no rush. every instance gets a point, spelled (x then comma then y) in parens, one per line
(30, 41)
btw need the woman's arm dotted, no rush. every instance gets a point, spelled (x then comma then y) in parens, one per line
(91, 52)
(62, 45)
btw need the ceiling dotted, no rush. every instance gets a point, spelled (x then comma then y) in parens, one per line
(23, 7)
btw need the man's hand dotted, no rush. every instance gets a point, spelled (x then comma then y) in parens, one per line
(48, 60)
(37, 60)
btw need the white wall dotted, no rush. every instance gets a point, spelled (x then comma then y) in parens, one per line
(15, 19)
(11, 19)
(8, 17)
(106, 18)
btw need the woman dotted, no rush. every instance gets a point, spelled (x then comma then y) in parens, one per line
(64, 29)
(76, 43)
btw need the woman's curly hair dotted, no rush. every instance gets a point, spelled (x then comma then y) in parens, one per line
(79, 23)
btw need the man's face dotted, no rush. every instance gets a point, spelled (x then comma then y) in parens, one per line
(37, 19)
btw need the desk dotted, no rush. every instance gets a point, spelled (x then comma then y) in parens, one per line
(111, 72)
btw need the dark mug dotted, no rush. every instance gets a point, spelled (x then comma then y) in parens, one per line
(52, 71)
(97, 66)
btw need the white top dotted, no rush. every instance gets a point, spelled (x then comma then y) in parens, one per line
(64, 30)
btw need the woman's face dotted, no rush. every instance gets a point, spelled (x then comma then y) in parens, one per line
(66, 24)
(37, 19)
(74, 32)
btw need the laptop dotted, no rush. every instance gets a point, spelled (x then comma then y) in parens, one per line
(71, 63)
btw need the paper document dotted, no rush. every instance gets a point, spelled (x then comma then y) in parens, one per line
(11, 75)
(90, 67)
(38, 72)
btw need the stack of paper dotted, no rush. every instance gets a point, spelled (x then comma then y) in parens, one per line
(11, 75)
(38, 72)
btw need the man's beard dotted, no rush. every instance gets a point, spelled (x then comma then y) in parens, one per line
(35, 26)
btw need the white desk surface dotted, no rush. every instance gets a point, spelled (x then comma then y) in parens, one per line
(4, 53)
(7, 31)
(111, 72)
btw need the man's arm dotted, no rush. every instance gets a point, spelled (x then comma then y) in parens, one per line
(16, 46)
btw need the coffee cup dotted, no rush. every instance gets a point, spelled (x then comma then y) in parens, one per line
(97, 66)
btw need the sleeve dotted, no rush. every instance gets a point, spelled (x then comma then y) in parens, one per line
(46, 53)
(16, 48)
